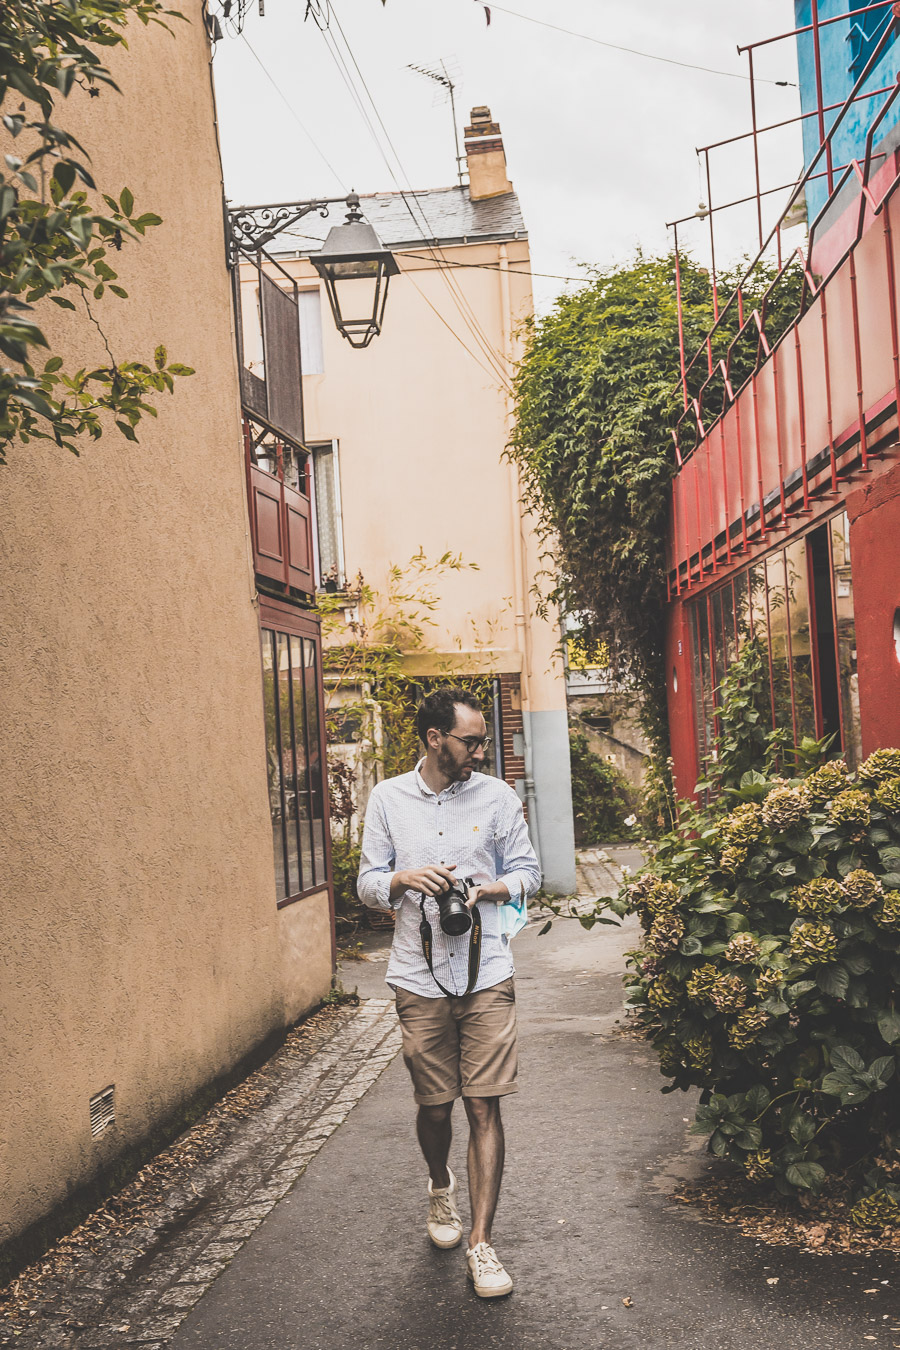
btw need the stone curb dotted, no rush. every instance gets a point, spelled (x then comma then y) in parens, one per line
(137, 1290)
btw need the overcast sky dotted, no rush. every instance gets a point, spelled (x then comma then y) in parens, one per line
(600, 144)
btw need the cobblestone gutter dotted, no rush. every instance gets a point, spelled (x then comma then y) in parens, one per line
(133, 1280)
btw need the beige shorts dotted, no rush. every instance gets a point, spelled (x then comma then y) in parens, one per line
(460, 1046)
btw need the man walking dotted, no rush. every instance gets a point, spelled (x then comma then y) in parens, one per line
(426, 831)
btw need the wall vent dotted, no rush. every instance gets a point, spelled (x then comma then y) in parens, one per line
(103, 1109)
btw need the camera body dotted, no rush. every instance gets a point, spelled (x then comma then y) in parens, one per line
(455, 915)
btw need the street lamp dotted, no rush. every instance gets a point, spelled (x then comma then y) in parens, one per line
(354, 253)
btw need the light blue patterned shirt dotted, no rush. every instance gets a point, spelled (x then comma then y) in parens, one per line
(478, 825)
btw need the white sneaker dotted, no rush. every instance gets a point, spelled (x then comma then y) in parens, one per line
(444, 1224)
(486, 1271)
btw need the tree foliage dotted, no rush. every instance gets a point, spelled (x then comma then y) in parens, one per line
(602, 799)
(55, 241)
(597, 395)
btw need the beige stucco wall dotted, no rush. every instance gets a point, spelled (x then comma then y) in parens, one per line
(140, 937)
(421, 426)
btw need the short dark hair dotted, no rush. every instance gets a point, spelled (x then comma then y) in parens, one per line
(439, 709)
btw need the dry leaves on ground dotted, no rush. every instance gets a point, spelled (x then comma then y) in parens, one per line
(814, 1223)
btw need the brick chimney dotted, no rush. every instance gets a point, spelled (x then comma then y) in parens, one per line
(485, 157)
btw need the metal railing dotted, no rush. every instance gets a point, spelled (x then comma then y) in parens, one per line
(807, 413)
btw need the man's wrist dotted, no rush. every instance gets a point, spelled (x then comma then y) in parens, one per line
(495, 890)
(397, 886)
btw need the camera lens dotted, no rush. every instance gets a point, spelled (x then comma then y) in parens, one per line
(456, 917)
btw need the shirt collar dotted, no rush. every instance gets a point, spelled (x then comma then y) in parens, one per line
(426, 791)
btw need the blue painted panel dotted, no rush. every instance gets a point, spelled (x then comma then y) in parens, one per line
(845, 48)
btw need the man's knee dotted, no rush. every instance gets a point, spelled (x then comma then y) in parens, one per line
(482, 1111)
(436, 1116)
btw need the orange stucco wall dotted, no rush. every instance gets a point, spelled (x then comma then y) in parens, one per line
(141, 942)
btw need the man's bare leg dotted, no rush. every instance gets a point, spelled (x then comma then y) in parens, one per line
(434, 1131)
(487, 1150)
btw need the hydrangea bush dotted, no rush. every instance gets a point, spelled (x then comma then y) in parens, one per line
(769, 971)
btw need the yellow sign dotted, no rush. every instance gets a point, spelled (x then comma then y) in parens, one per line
(579, 659)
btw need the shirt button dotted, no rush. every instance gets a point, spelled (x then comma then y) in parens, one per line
(440, 831)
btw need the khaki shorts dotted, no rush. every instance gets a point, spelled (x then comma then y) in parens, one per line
(460, 1046)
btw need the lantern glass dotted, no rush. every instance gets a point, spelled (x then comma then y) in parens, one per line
(352, 253)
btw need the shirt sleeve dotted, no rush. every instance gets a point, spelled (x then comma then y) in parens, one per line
(518, 869)
(376, 865)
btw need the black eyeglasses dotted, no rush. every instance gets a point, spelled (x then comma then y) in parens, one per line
(471, 742)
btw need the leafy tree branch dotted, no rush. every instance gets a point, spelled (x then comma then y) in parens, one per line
(53, 240)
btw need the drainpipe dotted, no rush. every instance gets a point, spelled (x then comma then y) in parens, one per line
(520, 569)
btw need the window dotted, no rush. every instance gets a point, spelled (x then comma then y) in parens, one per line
(312, 358)
(294, 761)
(329, 526)
(798, 605)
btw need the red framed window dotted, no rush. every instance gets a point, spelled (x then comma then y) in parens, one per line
(798, 603)
(295, 751)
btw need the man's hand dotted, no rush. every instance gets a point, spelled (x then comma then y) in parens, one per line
(491, 890)
(430, 880)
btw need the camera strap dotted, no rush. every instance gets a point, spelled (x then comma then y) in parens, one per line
(474, 949)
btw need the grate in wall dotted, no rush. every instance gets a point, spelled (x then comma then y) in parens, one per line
(103, 1109)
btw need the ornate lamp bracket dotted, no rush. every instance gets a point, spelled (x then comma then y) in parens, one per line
(253, 227)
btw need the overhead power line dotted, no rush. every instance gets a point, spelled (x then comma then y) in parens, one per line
(496, 267)
(453, 262)
(292, 110)
(495, 368)
(633, 51)
(470, 319)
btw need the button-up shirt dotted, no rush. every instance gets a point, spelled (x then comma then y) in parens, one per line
(478, 825)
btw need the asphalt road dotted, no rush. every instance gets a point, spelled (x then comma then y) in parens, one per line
(585, 1219)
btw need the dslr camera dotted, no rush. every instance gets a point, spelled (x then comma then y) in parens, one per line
(455, 915)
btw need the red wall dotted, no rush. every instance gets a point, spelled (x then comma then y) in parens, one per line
(681, 701)
(874, 513)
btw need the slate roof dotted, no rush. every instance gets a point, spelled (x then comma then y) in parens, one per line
(444, 215)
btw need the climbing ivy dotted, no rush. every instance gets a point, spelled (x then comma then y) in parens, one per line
(597, 396)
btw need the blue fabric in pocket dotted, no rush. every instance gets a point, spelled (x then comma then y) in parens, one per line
(514, 915)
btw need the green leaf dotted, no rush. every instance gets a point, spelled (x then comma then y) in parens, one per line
(126, 202)
(802, 1127)
(146, 221)
(757, 1099)
(126, 429)
(160, 356)
(32, 399)
(882, 1069)
(889, 1026)
(833, 980)
(844, 1057)
(806, 1176)
(64, 173)
(795, 991)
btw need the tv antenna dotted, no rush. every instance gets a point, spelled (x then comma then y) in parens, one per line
(440, 75)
